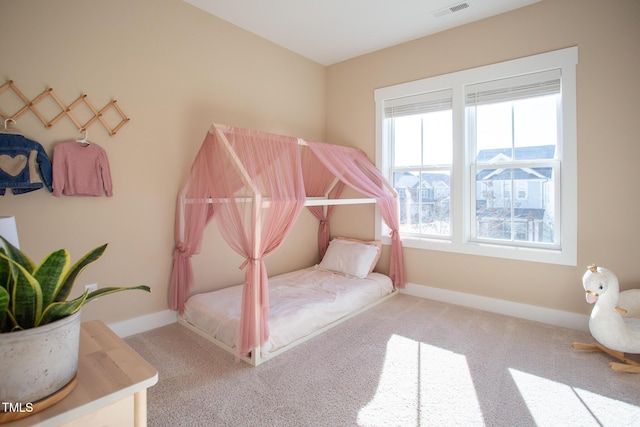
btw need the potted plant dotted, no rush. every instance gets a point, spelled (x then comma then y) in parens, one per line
(39, 326)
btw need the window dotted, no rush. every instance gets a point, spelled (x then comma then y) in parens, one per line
(484, 160)
(422, 163)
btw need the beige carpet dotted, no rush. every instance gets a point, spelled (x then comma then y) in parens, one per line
(406, 362)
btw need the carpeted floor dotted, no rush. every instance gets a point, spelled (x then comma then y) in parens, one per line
(406, 362)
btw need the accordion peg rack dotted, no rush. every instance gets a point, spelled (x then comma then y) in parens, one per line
(66, 111)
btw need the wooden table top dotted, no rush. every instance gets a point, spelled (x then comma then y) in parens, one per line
(108, 371)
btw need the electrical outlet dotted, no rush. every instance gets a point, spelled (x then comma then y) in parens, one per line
(92, 287)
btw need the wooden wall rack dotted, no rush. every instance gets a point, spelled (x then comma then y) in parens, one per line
(66, 111)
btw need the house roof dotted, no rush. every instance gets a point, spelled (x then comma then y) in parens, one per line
(521, 153)
(434, 179)
(519, 174)
(429, 180)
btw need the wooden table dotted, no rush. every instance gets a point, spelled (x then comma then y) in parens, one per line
(111, 387)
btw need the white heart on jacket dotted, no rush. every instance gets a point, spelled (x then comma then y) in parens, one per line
(13, 165)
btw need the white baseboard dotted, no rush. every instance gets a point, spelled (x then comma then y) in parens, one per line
(514, 309)
(144, 323)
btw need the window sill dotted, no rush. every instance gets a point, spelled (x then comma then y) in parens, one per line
(547, 256)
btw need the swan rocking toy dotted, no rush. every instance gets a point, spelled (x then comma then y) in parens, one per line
(615, 318)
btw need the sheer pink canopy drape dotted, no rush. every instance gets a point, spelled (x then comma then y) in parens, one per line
(272, 165)
(190, 222)
(255, 204)
(353, 168)
(318, 182)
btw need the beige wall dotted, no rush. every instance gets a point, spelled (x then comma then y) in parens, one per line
(174, 70)
(607, 36)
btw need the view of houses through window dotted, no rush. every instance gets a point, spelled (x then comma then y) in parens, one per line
(476, 156)
(423, 156)
(514, 201)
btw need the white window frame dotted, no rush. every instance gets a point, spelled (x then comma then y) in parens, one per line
(565, 253)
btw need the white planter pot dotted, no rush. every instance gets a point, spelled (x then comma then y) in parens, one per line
(35, 363)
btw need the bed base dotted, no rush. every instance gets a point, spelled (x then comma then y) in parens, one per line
(256, 358)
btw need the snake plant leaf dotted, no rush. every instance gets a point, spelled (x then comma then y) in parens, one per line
(26, 296)
(32, 296)
(62, 293)
(5, 272)
(18, 256)
(58, 310)
(4, 307)
(113, 289)
(50, 273)
(9, 323)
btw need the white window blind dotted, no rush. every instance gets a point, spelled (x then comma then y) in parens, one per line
(418, 104)
(514, 88)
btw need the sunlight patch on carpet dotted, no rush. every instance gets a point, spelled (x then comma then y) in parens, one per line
(422, 385)
(552, 402)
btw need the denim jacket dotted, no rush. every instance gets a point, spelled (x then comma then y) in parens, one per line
(24, 165)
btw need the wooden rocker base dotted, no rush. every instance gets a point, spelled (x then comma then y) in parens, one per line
(628, 365)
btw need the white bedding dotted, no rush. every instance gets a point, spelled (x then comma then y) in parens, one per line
(300, 303)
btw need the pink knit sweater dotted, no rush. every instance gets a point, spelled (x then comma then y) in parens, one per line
(80, 170)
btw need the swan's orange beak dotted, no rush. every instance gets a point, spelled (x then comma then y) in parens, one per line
(592, 297)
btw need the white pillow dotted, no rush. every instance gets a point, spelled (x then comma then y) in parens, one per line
(350, 258)
(376, 243)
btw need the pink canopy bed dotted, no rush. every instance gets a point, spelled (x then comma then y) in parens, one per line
(255, 184)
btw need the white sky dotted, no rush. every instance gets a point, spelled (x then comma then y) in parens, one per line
(535, 124)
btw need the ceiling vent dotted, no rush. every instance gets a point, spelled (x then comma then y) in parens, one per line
(457, 7)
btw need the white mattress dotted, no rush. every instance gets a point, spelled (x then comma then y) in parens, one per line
(300, 303)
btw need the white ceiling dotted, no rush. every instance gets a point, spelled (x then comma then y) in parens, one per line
(330, 31)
